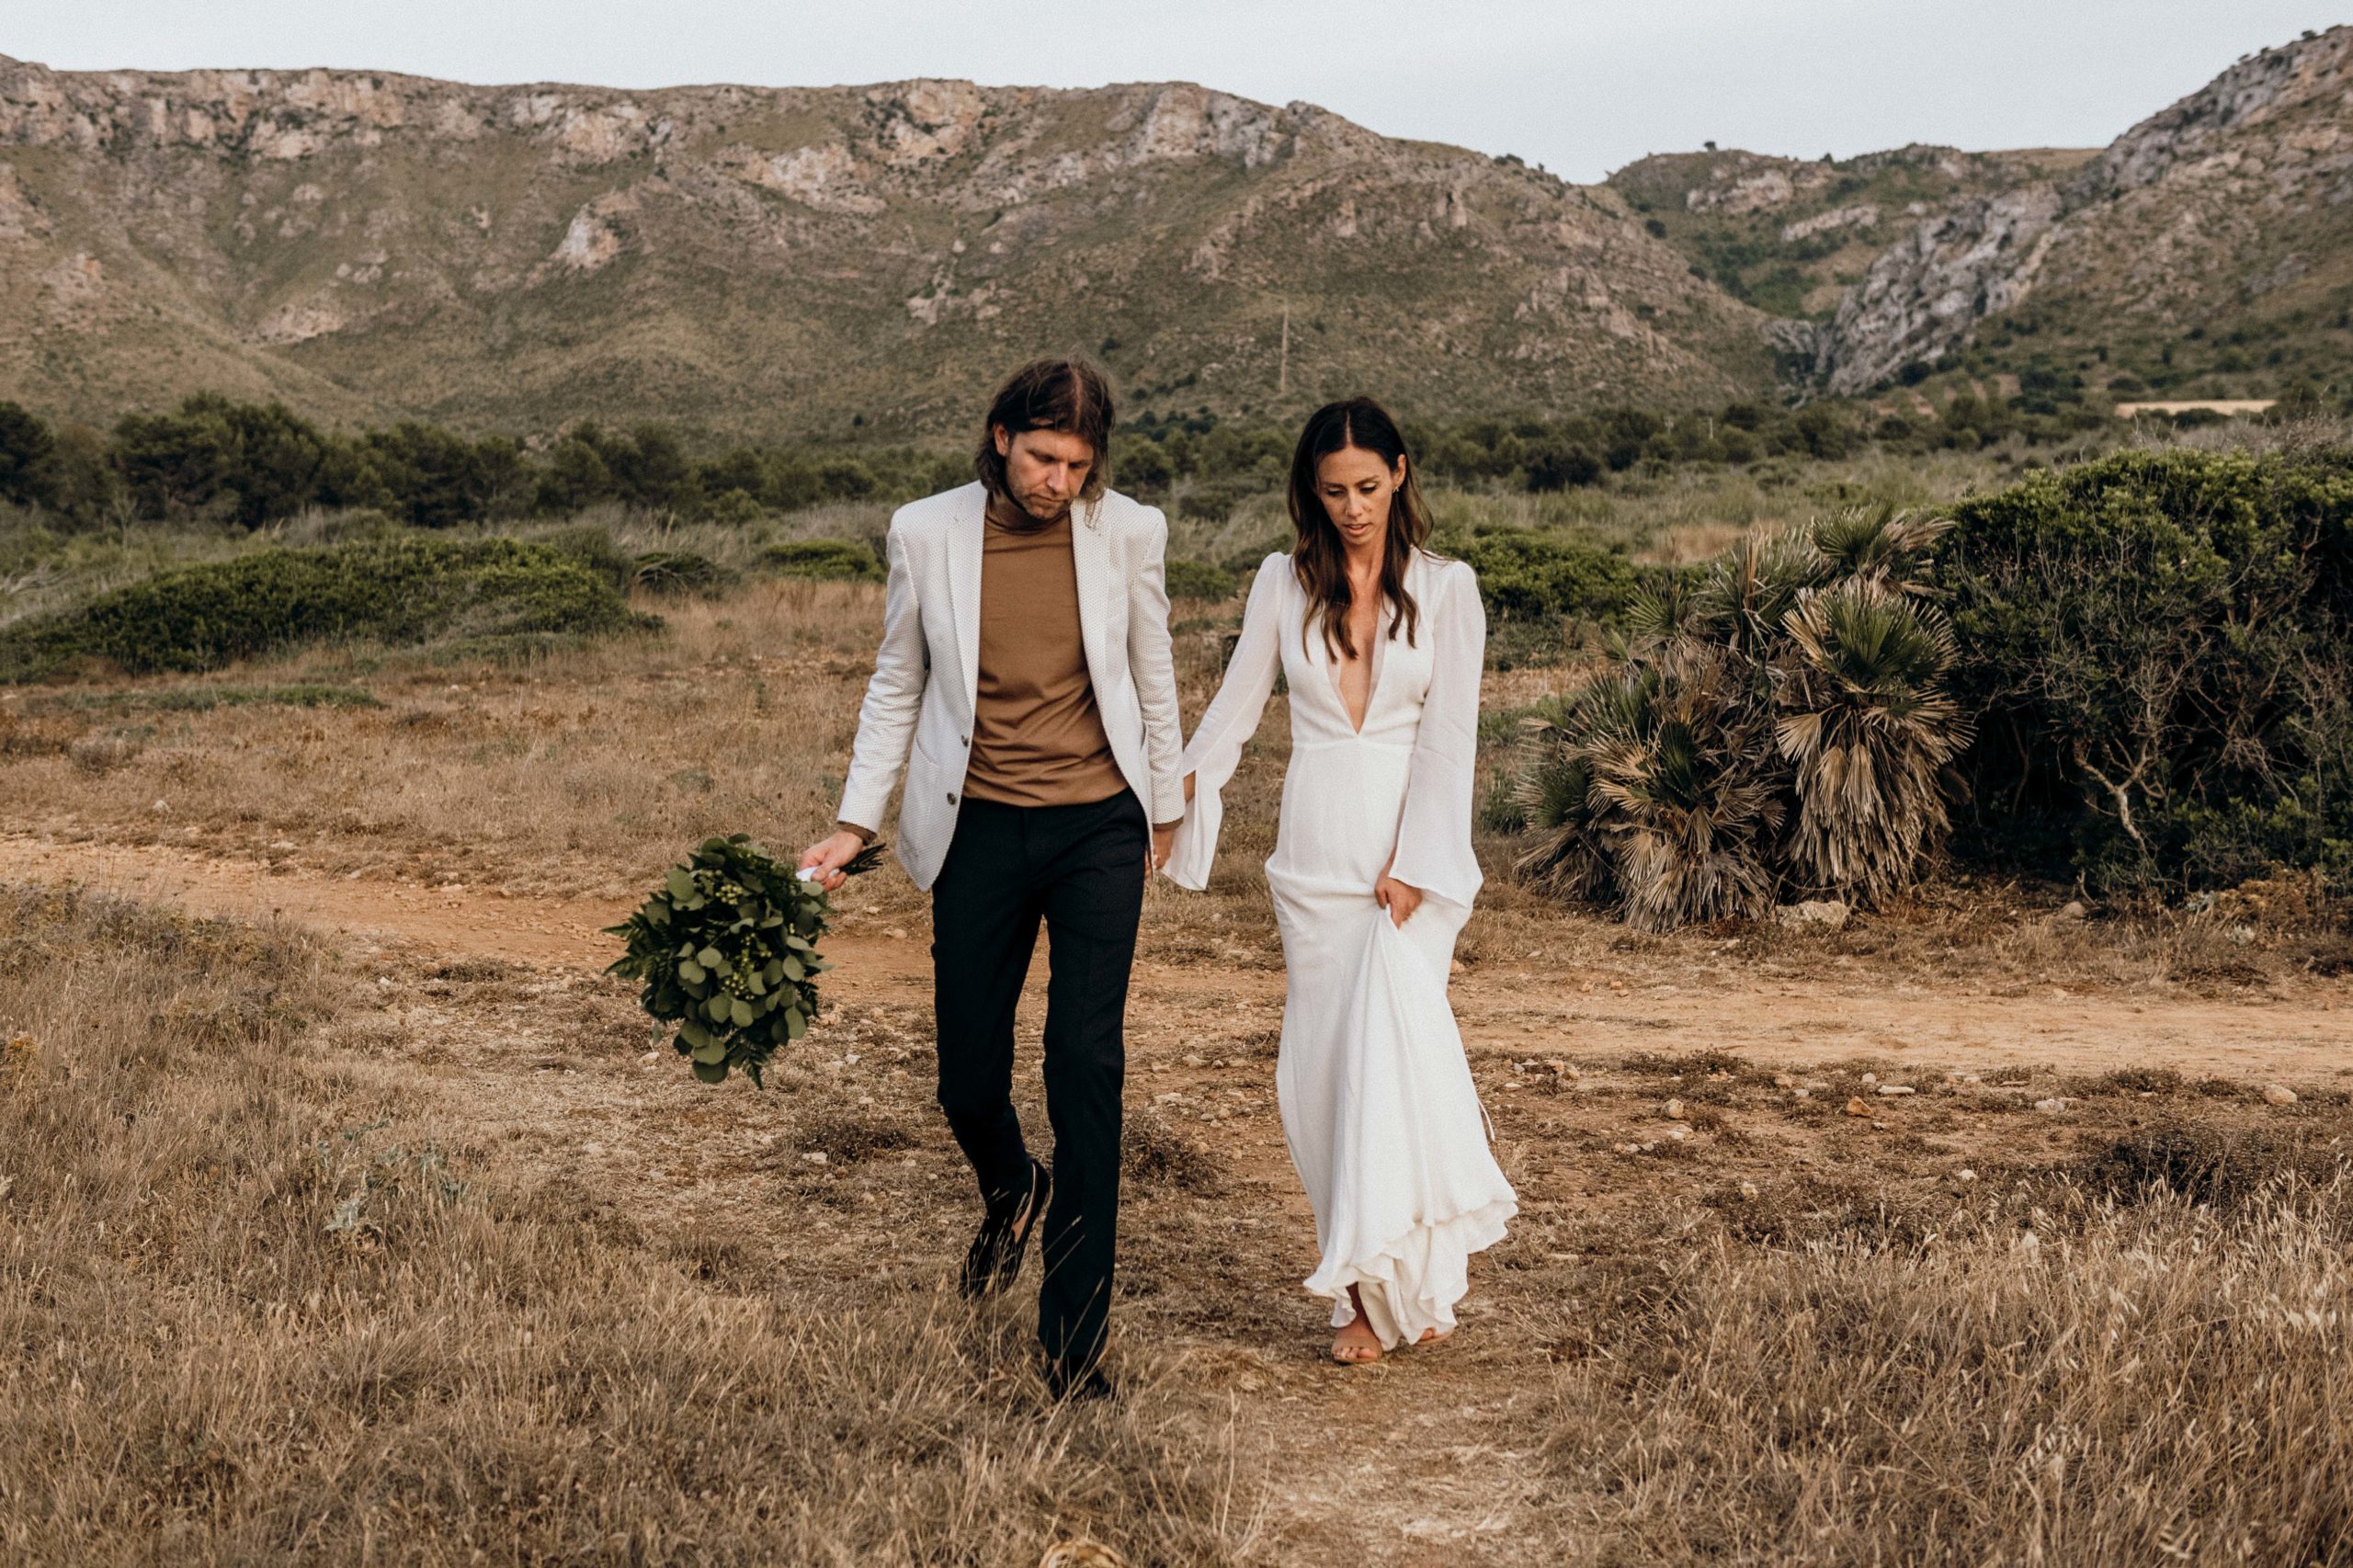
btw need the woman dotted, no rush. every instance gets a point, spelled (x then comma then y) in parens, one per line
(1380, 642)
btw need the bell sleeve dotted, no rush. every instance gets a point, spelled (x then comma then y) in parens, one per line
(1434, 850)
(1232, 718)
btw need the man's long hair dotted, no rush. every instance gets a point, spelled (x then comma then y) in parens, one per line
(1071, 396)
(1321, 558)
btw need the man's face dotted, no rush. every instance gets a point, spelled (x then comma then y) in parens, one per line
(1045, 469)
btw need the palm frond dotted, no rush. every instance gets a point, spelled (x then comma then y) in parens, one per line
(1868, 725)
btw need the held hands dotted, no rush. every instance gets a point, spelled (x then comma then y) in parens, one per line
(1164, 839)
(828, 856)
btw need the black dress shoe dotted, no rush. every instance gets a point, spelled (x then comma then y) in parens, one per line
(1087, 1388)
(994, 1256)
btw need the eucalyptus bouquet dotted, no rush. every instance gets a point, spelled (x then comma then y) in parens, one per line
(727, 949)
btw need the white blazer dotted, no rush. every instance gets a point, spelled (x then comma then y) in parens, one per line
(931, 625)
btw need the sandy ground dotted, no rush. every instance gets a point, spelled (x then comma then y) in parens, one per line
(1424, 1459)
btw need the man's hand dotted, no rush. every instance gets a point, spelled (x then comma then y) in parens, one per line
(828, 856)
(1164, 844)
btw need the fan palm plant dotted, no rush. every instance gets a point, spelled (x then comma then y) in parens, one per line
(1867, 723)
(1751, 588)
(1571, 859)
(1680, 798)
(1785, 721)
(1882, 546)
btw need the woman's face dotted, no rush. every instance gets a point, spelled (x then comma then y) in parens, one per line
(1354, 486)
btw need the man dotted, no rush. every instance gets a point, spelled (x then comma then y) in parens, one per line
(1025, 658)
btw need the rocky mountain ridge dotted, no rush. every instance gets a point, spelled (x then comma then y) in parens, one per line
(779, 262)
(2242, 190)
(759, 260)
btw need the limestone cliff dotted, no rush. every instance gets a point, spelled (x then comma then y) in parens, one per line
(2235, 205)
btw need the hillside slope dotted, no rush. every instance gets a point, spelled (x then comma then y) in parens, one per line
(1790, 236)
(2209, 248)
(793, 261)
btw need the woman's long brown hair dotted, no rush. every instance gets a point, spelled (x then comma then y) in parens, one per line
(1320, 559)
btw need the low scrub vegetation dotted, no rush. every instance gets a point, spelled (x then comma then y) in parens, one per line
(2137, 671)
(824, 561)
(680, 573)
(403, 592)
(1200, 580)
(217, 460)
(2158, 650)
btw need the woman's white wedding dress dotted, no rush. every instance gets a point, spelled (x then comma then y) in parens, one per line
(1378, 1105)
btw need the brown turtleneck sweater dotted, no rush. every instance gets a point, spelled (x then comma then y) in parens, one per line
(1038, 738)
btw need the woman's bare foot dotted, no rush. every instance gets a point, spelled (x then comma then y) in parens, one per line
(1356, 1344)
(1431, 1336)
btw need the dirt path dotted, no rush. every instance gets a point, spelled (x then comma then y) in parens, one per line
(1423, 1459)
(1514, 1008)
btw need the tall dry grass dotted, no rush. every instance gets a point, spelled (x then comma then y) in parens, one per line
(581, 773)
(256, 1306)
(2140, 1381)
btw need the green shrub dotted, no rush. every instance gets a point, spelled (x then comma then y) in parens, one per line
(593, 547)
(1199, 580)
(405, 592)
(1530, 576)
(826, 559)
(2160, 649)
(28, 458)
(680, 573)
(1215, 500)
(1559, 465)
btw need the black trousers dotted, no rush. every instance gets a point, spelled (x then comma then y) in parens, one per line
(1081, 869)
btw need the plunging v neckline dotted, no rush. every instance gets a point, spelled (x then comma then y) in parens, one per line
(1372, 675)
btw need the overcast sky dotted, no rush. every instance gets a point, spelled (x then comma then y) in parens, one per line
(1579, 86)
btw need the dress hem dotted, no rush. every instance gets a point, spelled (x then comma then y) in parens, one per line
(1452, 1242)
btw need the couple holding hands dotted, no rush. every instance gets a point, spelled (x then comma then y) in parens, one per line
(1025, 686)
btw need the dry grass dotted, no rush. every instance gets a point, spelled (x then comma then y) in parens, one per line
(256, 1305)
(2131, 1383)
(578, 775)
(330, 1257)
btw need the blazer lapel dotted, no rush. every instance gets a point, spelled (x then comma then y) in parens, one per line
(964, 538)
(1090, 555)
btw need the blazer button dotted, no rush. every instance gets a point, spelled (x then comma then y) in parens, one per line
(951, 797)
